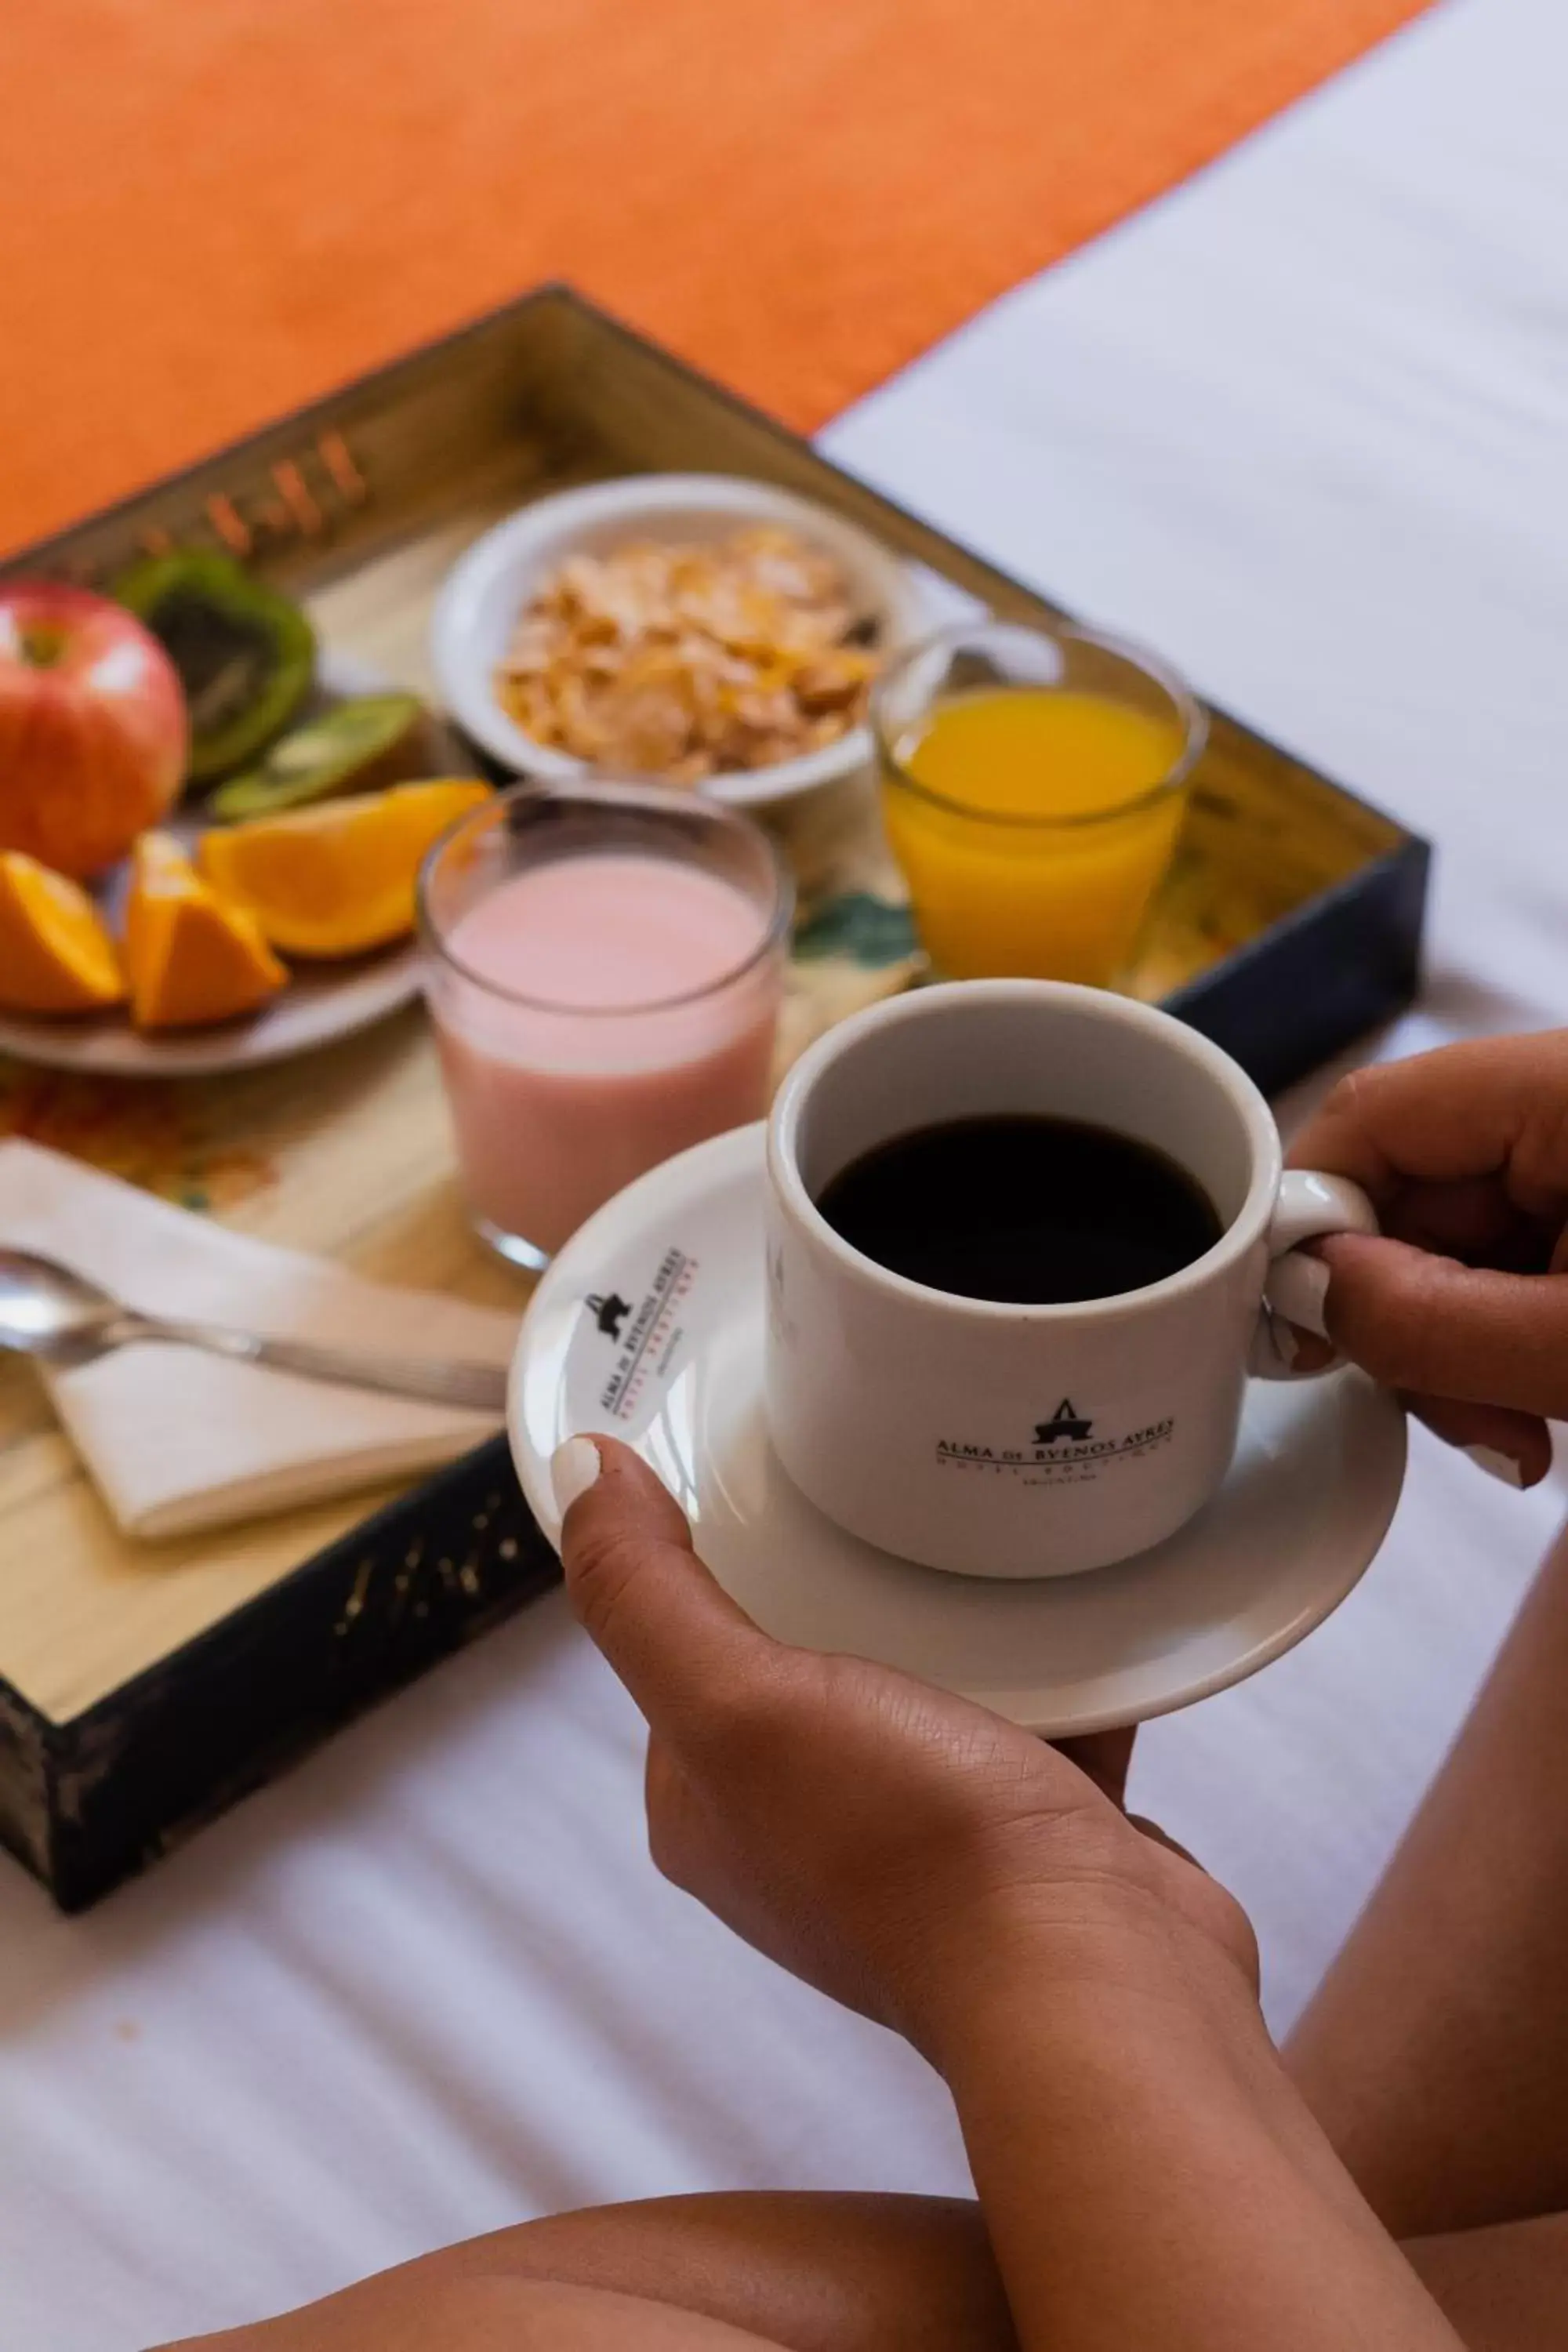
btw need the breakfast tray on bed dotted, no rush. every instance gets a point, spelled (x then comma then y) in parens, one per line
(144, 1688)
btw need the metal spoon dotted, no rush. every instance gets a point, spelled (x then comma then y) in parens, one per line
(49, 1311)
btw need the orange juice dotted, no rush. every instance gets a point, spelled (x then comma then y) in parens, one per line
(1032, 829)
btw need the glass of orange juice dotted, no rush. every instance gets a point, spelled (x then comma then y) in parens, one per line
(1034, 781)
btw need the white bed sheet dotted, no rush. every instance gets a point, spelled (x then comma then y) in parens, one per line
(1305, 427)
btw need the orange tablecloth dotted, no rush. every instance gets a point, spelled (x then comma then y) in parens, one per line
(216, 208)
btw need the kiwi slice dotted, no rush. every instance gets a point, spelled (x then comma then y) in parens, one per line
(379, 739)
(246, 655)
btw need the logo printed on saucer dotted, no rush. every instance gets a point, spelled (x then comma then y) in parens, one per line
(609, 1313)
(646, 1347)
(1065, 1450)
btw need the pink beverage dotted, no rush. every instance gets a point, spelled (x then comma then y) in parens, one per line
(595, 1011)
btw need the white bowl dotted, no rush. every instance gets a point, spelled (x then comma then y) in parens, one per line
(487, 588)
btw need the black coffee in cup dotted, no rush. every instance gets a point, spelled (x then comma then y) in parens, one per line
(1030, 1211)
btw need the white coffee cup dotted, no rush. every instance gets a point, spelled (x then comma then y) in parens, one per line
(1019, 1441)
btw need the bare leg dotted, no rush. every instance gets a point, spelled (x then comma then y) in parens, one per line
(1436, 2055)
(796, 2273)
(1503, 2289)
(483, 2314)
(812, 2273)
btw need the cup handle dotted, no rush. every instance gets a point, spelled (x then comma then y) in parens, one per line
(1308, 1206)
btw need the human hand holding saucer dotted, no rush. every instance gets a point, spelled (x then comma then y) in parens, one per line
(1220, 1520)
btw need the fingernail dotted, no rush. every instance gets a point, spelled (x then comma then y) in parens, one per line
(572, 1470)
(1297, 1286)
(1497, 1465)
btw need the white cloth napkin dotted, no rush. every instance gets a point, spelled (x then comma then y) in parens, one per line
(177, 1439)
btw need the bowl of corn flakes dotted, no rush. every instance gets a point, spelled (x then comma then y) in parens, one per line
(699, 630)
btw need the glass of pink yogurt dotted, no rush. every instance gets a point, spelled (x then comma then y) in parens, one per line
(605, 965)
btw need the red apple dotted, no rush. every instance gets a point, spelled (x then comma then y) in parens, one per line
(92, 726)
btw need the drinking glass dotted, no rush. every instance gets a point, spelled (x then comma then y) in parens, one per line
(562, 1090)
(1041, 860)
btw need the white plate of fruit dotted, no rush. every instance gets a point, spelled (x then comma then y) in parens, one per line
(208, 840)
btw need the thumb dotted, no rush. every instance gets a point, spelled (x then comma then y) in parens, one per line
(1418, 1321)
(674, 1637)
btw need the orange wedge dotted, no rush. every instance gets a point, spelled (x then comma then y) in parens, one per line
(56, 952)
(337, 879)
(191, 956)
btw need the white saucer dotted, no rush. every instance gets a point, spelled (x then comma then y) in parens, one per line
(648, 1326)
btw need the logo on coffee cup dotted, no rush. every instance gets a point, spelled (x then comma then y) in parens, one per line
(609, 1313)
(1064, 1422)
(1065, 1449)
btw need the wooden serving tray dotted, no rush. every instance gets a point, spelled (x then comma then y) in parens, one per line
(143, 1687)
